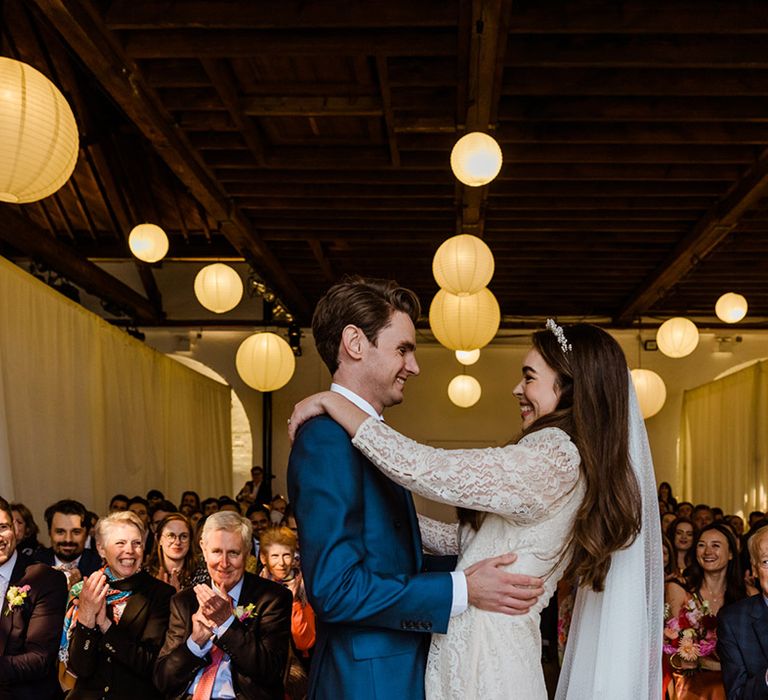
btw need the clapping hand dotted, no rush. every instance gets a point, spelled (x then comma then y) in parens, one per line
(216, 607)
(202, 629)
(93, 600)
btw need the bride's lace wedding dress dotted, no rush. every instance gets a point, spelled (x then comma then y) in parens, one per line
(530, 492)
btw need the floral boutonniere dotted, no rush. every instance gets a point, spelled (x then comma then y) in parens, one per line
(246, 612)
(16, 597)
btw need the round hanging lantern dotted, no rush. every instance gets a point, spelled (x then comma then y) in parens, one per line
(464, 323)
(148, 242)
(464, 391)
(651, 391)
(677, 337)
(731, 307)
(468, 357)
(218, 288)
(38, 134)
(463, 264)
(476, 159)
(265, 362)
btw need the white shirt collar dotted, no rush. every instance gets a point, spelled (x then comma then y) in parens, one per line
(7, 569)
(359, 401)
(68, 564)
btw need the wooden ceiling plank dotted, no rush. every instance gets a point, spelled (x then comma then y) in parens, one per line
(82, 207)
(217, 43)
(119, 222)
(84, 31)
(224, 82)
(710, 232)
(389, 117)
(277, 14)
(640, 17)
(35, 242)
(56, 199)
(322, 259)
(312, 106)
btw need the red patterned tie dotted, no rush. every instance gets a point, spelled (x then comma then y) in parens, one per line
(205, 685)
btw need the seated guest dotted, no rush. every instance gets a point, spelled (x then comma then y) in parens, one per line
(25, 528)
(255, 491)
(259, 517)
(173, 558)
(742, 632)
(154, 496)
(685, 509)
(67, 522)
(190, 501)
(277, 509)
(665, 494)
(702, 516)
(713, 579)
(118, 502)
(755, 517)
(116, 619)
(229, 637)
(158, 512)
(32, 600)
(681, 533)
(277, 549)
(140, 506)
(209, 506)
(230, 504)
(195, 517)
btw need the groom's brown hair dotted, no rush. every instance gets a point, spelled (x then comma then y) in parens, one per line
(365, 303)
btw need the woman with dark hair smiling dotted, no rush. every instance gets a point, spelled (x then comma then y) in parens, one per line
(574, 496)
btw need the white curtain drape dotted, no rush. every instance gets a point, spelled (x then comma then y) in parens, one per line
(723, 439)
(86, 411)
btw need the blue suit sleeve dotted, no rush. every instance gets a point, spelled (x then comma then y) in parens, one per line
(325, 481)
(739, 685)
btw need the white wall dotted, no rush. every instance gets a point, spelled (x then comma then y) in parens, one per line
(427, 414)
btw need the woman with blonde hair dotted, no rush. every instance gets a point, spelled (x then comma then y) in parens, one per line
(575, 495)
(116, 619)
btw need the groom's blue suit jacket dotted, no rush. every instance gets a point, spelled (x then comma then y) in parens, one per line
(361, 558)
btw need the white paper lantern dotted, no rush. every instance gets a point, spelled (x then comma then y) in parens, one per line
(265, 362)
(731, 307)
(677, 337)
(464, 323)
(218, 288)
(148, 242)
(468, 357)
(464, 391)
(476, 159)
(651, 391)
(38, 134)
(463, 265)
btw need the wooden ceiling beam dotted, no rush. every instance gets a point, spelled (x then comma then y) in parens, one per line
(218, 43)
(278, 14)
(322, 259)
(488, 44)
(622, 108)
(709, 233)
(224, 83)
(648, 82)
(35, 242)
(99, 50)
(743, 51)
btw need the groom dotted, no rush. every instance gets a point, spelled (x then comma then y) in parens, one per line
(360, 544)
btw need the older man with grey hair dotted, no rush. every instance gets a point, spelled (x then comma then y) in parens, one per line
(228, 637)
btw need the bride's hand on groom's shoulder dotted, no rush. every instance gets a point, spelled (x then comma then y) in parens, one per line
(491, 588)
(304, 410)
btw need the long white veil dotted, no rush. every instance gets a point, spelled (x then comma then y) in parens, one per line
(614, 644)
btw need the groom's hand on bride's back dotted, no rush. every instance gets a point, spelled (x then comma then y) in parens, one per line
(491, 588)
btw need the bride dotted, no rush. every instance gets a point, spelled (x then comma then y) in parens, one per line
(573, 497)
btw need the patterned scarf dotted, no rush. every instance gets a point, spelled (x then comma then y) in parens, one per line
(114, 596)
(294, 583)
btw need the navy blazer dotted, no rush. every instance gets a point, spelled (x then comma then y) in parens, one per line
(30, 633)
(90, 560)
(742, 644)
(361, 557)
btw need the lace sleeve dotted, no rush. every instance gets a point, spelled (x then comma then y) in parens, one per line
(439, 537)
(525, 479)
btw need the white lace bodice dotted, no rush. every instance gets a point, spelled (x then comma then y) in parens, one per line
(438, 537)
(530, 492)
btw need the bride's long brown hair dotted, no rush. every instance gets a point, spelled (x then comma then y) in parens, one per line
(594, 411)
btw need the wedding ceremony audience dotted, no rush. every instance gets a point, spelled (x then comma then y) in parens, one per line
(153, 621)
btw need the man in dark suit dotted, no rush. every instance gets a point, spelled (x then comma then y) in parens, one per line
(67, 522)
(34, 598)
(360, 544)
(742, 633)
(230, 638)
